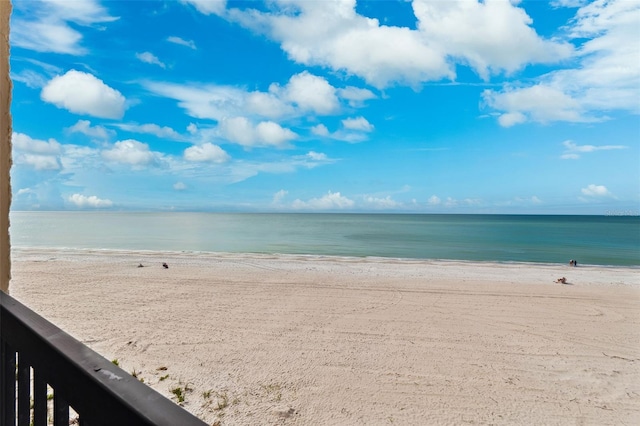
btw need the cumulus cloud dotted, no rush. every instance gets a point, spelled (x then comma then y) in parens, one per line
(95, 132)
(207, 7)
(310, 93)
(178, 40)
(92, 201)
(434, 200)
(381, 203)
(304, 93)
(355, 95)
(266, 133)
(358, 123)
(163, 132)
(47, 29)
(179, 186)
(574, 150)
(596, 191)
(206, 153)
(130, 152)
(150, 58)
(83, 93)
(278, 197)
(330, 201)
(539, 103)
(320, 130)
(605, 77)
(490, 36)
(36, 153)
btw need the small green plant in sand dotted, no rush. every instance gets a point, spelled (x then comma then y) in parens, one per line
(115, 362)
(163, 378)
(180, 392)
(136, 374)
(221, 399)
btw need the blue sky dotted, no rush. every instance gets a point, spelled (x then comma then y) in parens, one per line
(335, 105)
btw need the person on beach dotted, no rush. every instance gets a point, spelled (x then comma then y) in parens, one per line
(562, 280)
(165, 266)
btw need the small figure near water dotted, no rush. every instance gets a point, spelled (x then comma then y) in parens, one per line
(165, 266)
(573, 262)
(562, 280)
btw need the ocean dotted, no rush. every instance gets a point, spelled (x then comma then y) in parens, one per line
(595, 240)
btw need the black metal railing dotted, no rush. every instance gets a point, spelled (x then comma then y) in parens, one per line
(36, 356)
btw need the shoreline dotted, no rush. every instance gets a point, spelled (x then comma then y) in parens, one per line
(263, 339)
(22, 251)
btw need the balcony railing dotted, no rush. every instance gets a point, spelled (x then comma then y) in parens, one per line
(37, 356)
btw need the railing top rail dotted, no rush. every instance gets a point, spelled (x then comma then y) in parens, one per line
(89, 382)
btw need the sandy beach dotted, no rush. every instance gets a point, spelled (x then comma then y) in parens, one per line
(294, 340)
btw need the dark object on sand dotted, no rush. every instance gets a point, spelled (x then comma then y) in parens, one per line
(140, 265)
(562, 280)
(165, 266)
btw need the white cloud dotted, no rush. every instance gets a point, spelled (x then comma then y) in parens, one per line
(381, 203)
(203, 101)
(434, 200)
(267, 133)
(605, 77)
(150, 58)
(177, 40)
(359, 123)
(208, 7)
(539, 103)
(304, 93)
(317, 156)
(320, 130)
(130, 152)
(332, 34)
(268, 105)
(96, 132)
(179, 186)
(511, 118)
(35, 153)
(573, 150)
(311, 93)
(25, 143)
(47, 29)
(206, 153)
(32, 79)
(279, 196)
(82, 93)
(355, 95)
(92, 201)
(163, 132)
(491, 36)
(596, 191)
(330, 201)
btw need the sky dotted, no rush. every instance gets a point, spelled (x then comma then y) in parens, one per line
(396, 106)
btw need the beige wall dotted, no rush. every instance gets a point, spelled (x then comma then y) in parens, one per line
(5, 146)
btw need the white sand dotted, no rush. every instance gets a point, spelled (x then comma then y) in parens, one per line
(325, 341)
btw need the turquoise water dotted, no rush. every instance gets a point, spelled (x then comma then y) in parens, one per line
(599, 240)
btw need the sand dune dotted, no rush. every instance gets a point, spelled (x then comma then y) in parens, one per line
(294, 340)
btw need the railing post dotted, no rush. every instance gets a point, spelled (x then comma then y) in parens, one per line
(24, 390)
(8, 384)
(39, 400)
